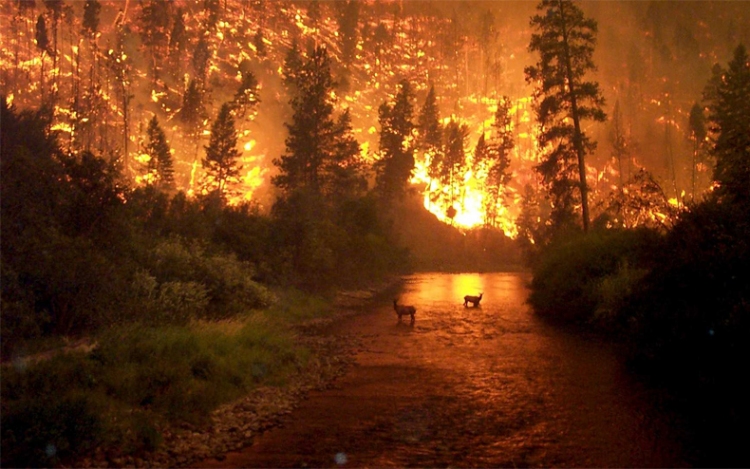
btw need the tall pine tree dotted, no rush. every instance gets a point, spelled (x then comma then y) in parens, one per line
(160, 166)
(565, 42)
(312, 132)
(728, 98)
(222, 156)
(498, 159)
(430, 134)
(393, 170)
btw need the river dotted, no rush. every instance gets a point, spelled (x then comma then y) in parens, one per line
(491, 386)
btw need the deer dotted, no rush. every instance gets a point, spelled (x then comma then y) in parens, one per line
(403, 310)
(473, 300)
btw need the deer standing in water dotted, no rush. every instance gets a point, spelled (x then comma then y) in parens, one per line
(402, 310)
(473, 300)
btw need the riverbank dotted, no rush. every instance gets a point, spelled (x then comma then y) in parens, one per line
(234, 426)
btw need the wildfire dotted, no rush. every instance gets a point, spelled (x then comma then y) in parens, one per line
(112, 79)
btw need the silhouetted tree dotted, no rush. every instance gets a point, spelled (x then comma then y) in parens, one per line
(498, 158)
(729, 124)
(347, 18)
(55, 10)
(178, 40)
(154, 17)
(565, 42)
(292, 70)
(246, 97)
(222, 156)
(393, 170)
(430, 133)
(311, 138)
(192, 112)
(160, 166)
(42, 43)
(343, 173)
(201, 58)
(259, 43)
(454, 162)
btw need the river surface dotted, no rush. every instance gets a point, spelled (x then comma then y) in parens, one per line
(492, 386)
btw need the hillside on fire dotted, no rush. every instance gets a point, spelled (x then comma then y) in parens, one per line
(197, 180)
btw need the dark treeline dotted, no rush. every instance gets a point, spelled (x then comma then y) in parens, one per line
(677, 296)
(81, 249)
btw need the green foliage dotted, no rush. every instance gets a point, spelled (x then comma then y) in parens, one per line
(568, 276)
(136, 380)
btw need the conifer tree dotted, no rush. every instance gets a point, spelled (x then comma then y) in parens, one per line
(565, 42)
(222, 156)
(292, 68)
(454, 164)
(160, 166)
(246, 97)
(201, 58)
(312, 131)
(430, 133)
(729, 124)
(178, 39)
(343, 173)
(42, 43)
(394, 169)
(192, 112)
(498, 158)
(347, 19)
(154, 17)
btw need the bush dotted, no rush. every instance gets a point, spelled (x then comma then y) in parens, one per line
(573, 276)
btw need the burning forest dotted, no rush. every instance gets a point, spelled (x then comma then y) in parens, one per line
(193, 190)
(106, 69)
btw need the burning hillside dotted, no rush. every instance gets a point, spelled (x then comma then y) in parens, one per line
(105, 69)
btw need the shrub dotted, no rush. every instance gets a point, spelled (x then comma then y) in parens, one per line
(567, 278)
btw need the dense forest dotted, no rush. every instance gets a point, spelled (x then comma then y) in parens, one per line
(166, 162)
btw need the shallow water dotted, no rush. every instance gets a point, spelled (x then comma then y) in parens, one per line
(491, 386)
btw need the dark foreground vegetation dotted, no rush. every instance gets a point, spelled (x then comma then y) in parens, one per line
(678, 299)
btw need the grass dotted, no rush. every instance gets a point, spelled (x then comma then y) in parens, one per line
(139, 379)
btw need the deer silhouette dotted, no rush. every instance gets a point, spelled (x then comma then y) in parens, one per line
(473, 300)
(403, 310)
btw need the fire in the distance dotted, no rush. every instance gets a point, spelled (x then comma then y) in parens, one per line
(108, 81)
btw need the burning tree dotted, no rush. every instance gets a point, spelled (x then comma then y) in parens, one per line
(565, 41)
(221, 161)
